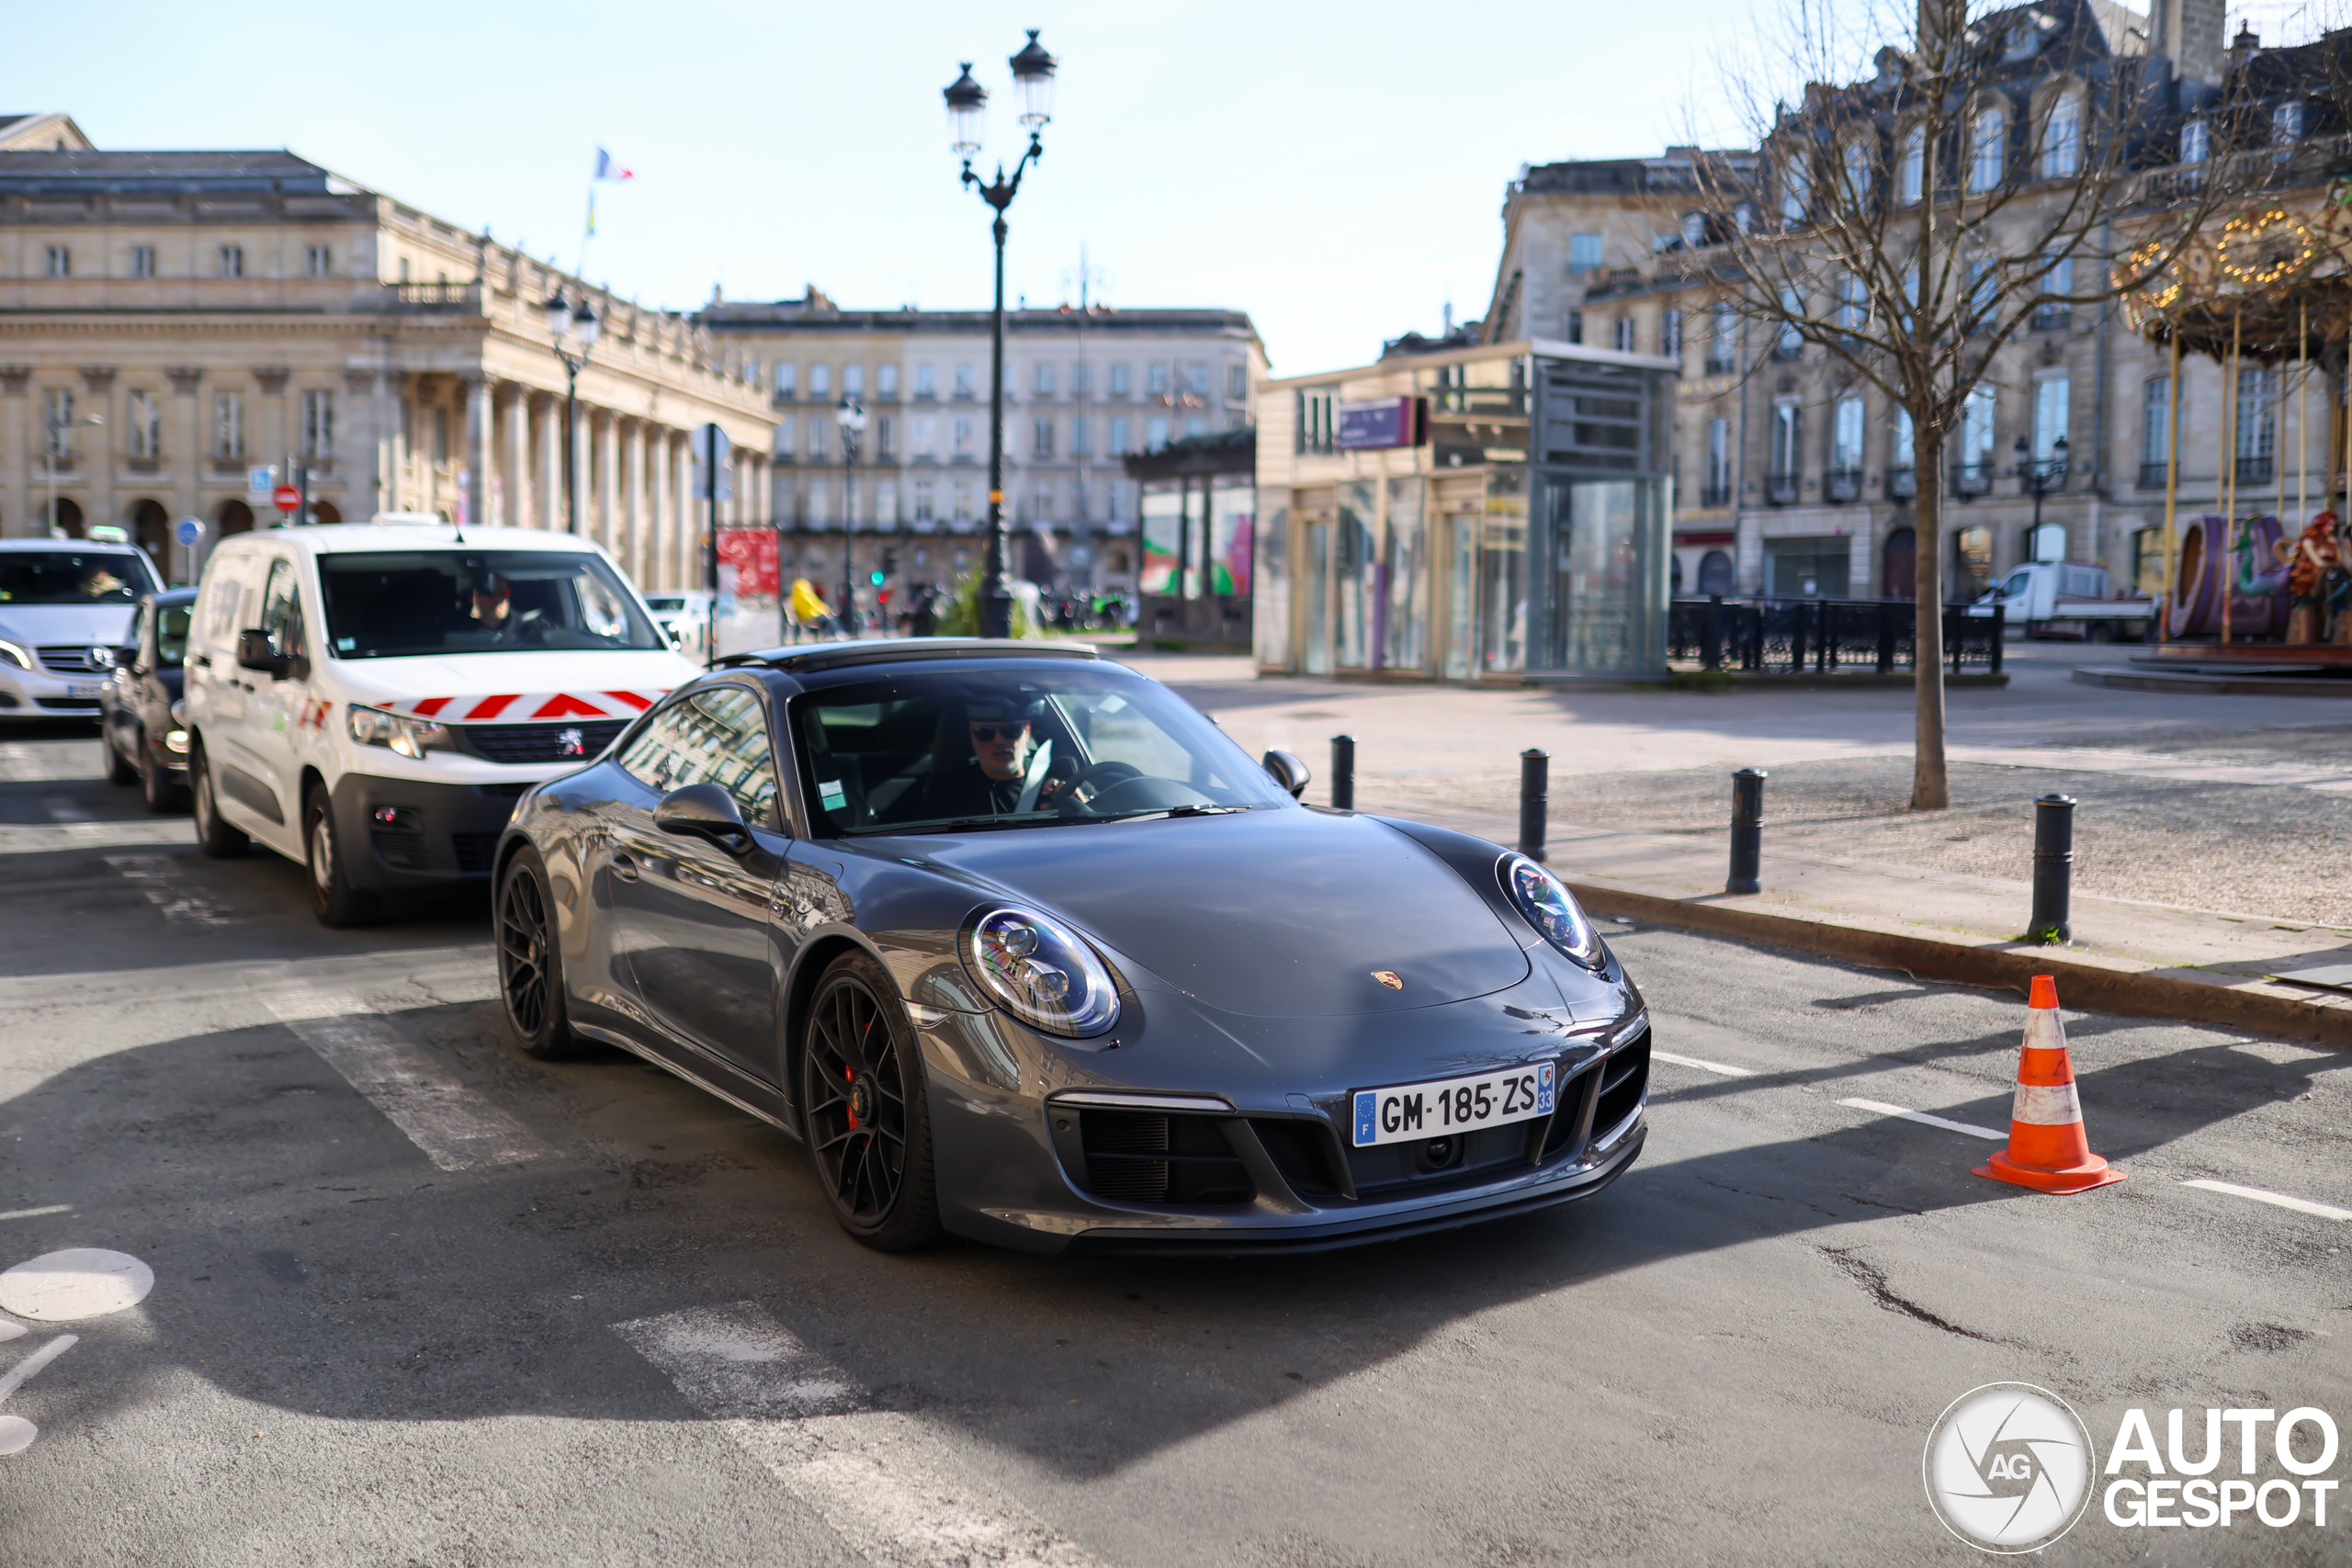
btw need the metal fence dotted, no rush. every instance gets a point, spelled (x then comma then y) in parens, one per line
(1793, 636)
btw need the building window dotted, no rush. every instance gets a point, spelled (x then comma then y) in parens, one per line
(319, 261)
(1723, 340)
(61, 261)
(2194, 140)
(1903, 449)
(1156, 381)
(926, 381)
(1044, 438)
(1120, 386)
(820, 380)
(1797, 189)
(963, 438)
(2287, 122)
(885, 381)
(963, 381)
(885, 505)
(884, 435)
(787, 435)
(1845, 435)
(1788, 457)
(2155, 430)
(1575, 326)
(963, 512)
(1121, 444)
(2057, 278)
(787, 381)
(1851, 309)
(318, 426)
(1237, 382)
(1718, 487)
(143, 261)
(228, 425)
(1694, 229)
(923, 513)
(1988, 147)
(232, 261)
(60, 401)
(1791, 340)
(1081, 438)
(924, 427)
(1584, 255)
(1624, 334)
(1670, 334)
(2062, 139)
(1976, 439)
(146, 418)
(440, 437)
(1041, 504)
(818, 426)
(1196, 381)
(2258, 416)
(819, 503)
(1155, 435)
(853, 380)
(1911, 166)
(1045, 379)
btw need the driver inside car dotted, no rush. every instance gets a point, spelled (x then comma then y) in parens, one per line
(1001, 753)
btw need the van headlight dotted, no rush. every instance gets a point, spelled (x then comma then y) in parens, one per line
(1040, 972)
(1551, 910)
(398, 733)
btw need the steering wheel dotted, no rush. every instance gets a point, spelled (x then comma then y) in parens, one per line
(1093, 777)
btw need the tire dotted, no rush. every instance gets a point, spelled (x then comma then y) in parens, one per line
(864, 1114)
(119, 772)
(333, 900)
(155, 785)
(530, 961)
(215, 839)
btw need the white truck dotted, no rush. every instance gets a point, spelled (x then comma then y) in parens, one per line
(2068, 599)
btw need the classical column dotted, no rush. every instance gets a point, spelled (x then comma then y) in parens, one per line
(515, 511)
(16, 451)
(609, 483)
(98, 380)
(186, 445)
(400, 386)
(551, 490)
(358, 445)
(640, 517)
(689, 537)
(661, 521)
(479, 446)
(582, 499)
(277, 432)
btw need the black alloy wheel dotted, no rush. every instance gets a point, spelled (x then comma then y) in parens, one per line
(120, 769)
(530, 963)
(863, 1110)
(215, 839)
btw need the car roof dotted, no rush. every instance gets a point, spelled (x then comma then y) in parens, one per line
(338, 538)
(810, 657)
(14, 545)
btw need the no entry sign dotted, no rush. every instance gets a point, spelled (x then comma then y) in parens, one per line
(287, 498)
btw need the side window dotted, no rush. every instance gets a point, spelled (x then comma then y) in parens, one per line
(168, 647)
(719, 736)
(282, 608)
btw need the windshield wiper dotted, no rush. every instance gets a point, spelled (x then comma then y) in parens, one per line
(1176, 811)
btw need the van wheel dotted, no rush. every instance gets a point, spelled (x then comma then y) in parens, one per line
(333, 898)
(215, 839)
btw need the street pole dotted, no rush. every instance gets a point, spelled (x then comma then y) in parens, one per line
(996, 586)
(571, 422)
(849, 532)
(581, 326)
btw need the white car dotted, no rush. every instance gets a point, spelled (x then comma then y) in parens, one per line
(685, 615)
(65, 607)
(370, 700)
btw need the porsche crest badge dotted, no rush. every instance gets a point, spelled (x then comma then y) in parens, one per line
(1390, 978)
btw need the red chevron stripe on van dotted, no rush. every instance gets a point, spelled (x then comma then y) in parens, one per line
(526, 706)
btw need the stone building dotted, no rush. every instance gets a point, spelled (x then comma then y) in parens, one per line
(1084, 386)
(1793, 480)
(170, 320)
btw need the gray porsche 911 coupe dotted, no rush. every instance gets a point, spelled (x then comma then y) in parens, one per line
(1023, 949)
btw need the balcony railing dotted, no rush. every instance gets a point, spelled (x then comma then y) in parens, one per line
(1971, 479)
(2256, 470)
(1720, 364)
(1842, 484)
(1781, 490)
(2052, 318)
(1902, 483)
(1714, 495)
(430, 298)
(2151, 475)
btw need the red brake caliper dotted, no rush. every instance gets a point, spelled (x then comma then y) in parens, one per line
(849, 1075)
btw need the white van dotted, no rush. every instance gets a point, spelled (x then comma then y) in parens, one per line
(370, 700)
(65, 607)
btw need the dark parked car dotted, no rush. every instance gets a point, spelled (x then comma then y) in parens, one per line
(142, 740)
(1025, 949)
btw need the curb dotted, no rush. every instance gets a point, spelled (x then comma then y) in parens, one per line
(2087, 981)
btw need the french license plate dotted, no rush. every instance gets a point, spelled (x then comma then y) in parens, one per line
(86, 692)
(1410, 1112)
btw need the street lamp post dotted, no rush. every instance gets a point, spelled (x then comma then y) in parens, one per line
(850, 417)
(2041, 476)
(580, 325)
(1033, 72)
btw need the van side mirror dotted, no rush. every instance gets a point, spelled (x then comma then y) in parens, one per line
(255, 653)
(1288, 772)
(703, 812)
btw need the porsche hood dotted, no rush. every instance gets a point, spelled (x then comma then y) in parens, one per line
(1269, 913)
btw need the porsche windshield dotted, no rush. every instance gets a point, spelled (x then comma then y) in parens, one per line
(73, 577)
(983, 748)
(418, 602)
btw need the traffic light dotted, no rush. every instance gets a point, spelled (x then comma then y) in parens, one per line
(877, 577)
(889, 559)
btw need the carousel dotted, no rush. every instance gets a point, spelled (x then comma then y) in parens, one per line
(2248, 591)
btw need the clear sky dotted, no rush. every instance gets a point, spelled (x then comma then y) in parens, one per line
(1335, 170)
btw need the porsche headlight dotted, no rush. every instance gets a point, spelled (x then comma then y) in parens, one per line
(1042, 974)
(397, 732)
(1551, 910)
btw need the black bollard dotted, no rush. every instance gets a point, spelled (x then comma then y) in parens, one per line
(1535, 798)
(2053, 868)
(1343, 773)
(1746, 831)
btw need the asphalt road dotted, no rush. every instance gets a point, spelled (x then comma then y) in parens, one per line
(477, 1310)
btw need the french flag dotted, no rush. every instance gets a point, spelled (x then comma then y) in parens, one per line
(606, 169)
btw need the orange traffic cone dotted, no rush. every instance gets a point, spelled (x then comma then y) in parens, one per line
(2048, 1150)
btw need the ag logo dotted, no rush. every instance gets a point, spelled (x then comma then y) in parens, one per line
(2009, 1467)
(570, 742)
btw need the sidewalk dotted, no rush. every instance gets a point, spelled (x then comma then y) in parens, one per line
(2127, 956)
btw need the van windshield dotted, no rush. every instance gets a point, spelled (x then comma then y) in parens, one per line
(406, 602)
(75, 577)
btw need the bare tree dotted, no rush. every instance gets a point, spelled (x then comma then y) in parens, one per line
(1986, 166)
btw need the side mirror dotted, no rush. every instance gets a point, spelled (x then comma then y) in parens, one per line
(1288, 772)
(703, 812)
(127, 656)
(255, 653)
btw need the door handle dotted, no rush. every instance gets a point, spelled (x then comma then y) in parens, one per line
(204, 661)
(623, 866)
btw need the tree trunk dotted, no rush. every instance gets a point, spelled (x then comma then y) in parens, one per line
(1931, 787)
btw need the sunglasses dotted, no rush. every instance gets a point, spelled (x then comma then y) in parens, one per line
(990, 731)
